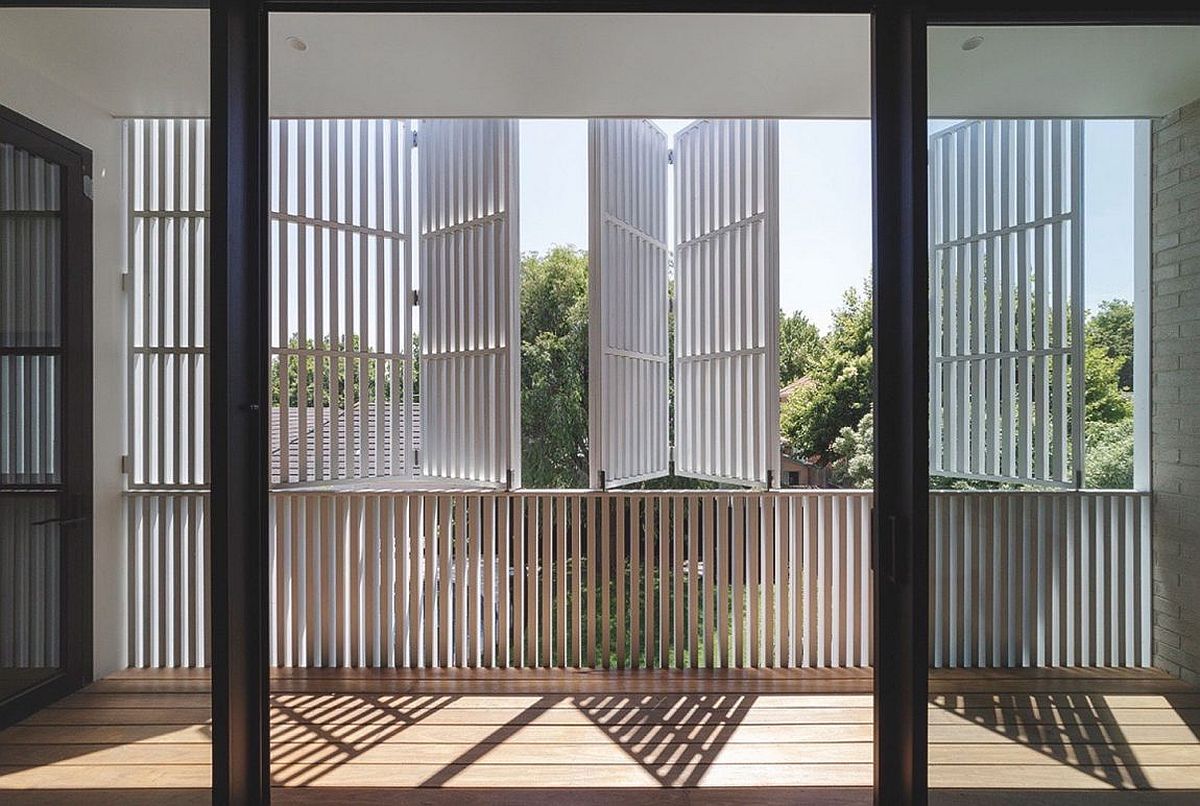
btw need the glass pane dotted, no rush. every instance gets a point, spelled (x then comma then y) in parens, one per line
(30, 312)
(30, 417)
(103, 192)
(636, 370)
(1061, 201)
(30, 584)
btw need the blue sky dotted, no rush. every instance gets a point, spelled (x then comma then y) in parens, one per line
(825, 204)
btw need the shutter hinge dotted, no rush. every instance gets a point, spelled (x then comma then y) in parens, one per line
(87, 186)
(670, 156)
(770, 478)
(508, 478)
(603, 478)
(125, 464)
(124, 281)
(413, 140)
(1078, 478)
(416, 297)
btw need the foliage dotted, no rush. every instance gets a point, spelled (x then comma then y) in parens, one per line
(554, 373)
(1109, 454)
(799, 346)
(1108, 382)
(831, 415)
(346, 372)
(1111, 328)
(840, 389)
(856, 447)
(1104, 400)
(554, 367)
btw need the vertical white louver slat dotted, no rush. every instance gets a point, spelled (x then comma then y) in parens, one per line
(628, 304)
(1006, 301)
(166, 191)
(167, 382)
(469, 291)
(341, 277)
(727, 301)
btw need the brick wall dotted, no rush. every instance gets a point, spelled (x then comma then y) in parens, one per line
(1175, 367)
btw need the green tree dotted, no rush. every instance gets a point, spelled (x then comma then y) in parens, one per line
(1104, 399)
(1108, 396)
(856, 447)
(554, 367)
(1109, 454)
(840, 392)
(339, 379)
(799, 346)
(1111, 328)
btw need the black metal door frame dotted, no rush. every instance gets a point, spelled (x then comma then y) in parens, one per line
(74, 490)
(240, 345)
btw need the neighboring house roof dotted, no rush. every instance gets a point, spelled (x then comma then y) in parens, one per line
(372, 434)
(800, 383)
(787, 456)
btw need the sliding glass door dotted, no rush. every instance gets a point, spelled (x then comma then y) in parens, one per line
(45, 415)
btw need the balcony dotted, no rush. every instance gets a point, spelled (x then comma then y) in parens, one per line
(485, 273)
(517, 645)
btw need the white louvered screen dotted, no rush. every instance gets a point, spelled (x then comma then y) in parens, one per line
(1006, 301)
(340, 284)
(469, 290)
(167, 540)
(166, 183)
(627, 295)
(727, 301)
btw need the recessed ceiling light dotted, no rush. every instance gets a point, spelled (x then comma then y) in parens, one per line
(972, 43)
(297, 43)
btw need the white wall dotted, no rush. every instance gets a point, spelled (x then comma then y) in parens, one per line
(36, 97)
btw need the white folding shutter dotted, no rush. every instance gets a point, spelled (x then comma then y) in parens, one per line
(166, 190)
(469, 292)
(1006, 301)
(627, 294)
(341, 280)
(727, 301)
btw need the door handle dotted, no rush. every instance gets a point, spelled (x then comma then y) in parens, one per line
(60, 521)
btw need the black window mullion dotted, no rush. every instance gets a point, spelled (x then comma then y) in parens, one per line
(239, 317)
(899, 555)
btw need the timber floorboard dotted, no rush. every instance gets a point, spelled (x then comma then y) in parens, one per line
(687, 738)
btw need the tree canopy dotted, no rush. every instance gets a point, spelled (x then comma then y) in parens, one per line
(1111, 328)
(1108, 374)
(554, 368)
(829, 416)
(838, 392)
(799, 341)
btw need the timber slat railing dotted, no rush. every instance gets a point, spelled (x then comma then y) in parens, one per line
(651, 579)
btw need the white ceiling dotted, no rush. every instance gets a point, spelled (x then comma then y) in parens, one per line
(138, 62)
(1092, 71)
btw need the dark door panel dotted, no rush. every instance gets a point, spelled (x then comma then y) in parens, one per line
(45, 416)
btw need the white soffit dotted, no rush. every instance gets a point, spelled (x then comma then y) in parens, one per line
(127, 62)
(155, 62)
(137, 62)
(564, 65)
(1063, 71)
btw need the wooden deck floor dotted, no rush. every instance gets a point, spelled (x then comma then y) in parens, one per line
(763, 737)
